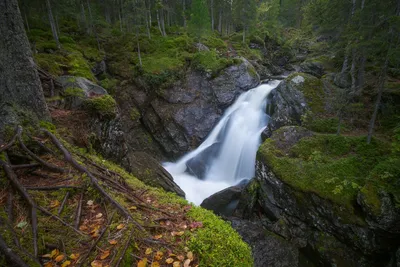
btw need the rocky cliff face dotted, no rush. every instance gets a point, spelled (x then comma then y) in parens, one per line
(180, 116)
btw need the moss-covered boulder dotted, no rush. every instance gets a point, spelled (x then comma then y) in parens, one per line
(317, 190)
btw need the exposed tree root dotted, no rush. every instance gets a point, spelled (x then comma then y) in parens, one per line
(63, 203)
(11, 143)
(78, 212)
(10, 255)
(51, 188)
(128, 242)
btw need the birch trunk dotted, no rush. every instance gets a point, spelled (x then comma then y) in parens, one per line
(52, 23)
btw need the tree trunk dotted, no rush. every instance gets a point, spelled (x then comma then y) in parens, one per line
(244, 34)
(162, 22)
(184, 13)
(212, 14)
(138, 46)
(159, 23)
(83, 15)
(52, 23)
(27, 23)
(220, 21)
(90, 28)
(20, 87)
(353, 73)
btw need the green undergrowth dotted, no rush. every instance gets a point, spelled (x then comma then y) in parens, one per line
(104, 105)
(333, 167)
(216, 243)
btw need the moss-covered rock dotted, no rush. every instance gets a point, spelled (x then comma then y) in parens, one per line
(104, 106)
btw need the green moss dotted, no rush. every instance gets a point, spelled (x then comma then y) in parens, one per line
(74, 91)
(210, 61)
(134, 114)
(105, 106)
(52, 63)
(215, 42)
(47, 125)
(217, 243)
(78, 66)
(313, 91)
(333, 167)
(371, 198)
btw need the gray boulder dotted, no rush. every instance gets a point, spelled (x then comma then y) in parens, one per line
(314, 68)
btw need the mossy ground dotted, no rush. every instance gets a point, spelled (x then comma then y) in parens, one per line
(175, 227)
(335, 167)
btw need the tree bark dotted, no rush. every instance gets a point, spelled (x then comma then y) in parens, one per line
(220, 21)
(212, 14)
(20, 87)
(52, 23)
(162, 20)
(184, 13)
(159, 23)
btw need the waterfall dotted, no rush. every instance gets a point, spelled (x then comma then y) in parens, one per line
(228, 155)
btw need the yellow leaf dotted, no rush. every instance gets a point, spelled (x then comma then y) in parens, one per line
(96, 263)
(74, 256)
(133, 208)
(55, 253)
(155, 264)
(66, 263)
(48, 264)
(54, 203)
(83, 227)
(46, 256)
(158, 255)
(120, 226)
(148, 251)
(187, 262)
(142, 263)
(177, 264)
(190, 255)
(113, 242)
(59, 258)
(99, 215)
(157, 237)
(105, 254)
(181, 258)
(169, 260)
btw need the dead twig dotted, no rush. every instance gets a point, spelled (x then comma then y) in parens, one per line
(49, 166)
(76, 165)
(92, 247)
(19, 187)
(51, 188)
(63, 204)
(78, 212)
(10, 255)
(48, 213)
(25, 166)
(128, 242)
(12, 141)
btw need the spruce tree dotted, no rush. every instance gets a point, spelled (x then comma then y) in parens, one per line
(199, 23)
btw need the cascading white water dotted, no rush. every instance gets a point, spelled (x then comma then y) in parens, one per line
(228, 154)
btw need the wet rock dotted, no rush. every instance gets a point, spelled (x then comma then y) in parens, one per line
(314, 68)
(268, 249)
(99, 68)
(288, 103)
(198, 166)
(223, 202)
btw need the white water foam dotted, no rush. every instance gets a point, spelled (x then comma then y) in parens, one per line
(228, 154)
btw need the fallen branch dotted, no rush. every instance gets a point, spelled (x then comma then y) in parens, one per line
(97, 240)
(78, 212)
(10, 255)
(19, 187)
(76, 165)
(25, 166)
(63, 203)
(51, 188)
(49, 166)
(7, 146)
(128, 242)
(48, 213)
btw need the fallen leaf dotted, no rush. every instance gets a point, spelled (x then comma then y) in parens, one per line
(120, 226)
(181, 257)
(177, 264)
(186, 249)
(142, 263)
(96, 263)
(54, 204)
(48, 264)
(195, 225)
(187, 262)
(169, 260)
(66, 263)
(113, 242)
(155, 264)
(190, 255)
(59, 258)
(105, 254)
(157, 237)
(74, 256)
(177, 233)
(54, 253)
(148, 251)
(22, 224)
(99, 215)
(90, 203)
(133, 208)
(83, 227)
(46, 256)
(158, 255)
